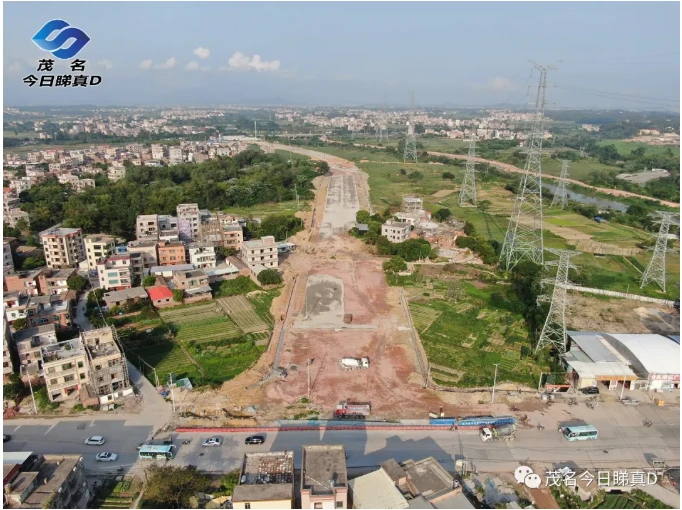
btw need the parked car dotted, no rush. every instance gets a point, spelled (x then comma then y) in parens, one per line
(6, 437)
(255, 440)
(95, 441)
(106, 457)
(211, 441)
(629, 401)
(591, 390)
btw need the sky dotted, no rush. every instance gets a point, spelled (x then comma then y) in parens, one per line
(625, 55)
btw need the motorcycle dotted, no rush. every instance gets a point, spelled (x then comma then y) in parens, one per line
(81, 426)
(119, 470)
(187, 441)
(514, 408)
(572, 402)
(540, 427)
(648, 423)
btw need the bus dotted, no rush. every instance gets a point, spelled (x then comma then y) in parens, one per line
(157, 452)
(580, 432)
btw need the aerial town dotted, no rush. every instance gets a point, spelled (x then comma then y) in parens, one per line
(397, 303)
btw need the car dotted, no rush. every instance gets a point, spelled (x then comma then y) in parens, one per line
(629, 401)
(95, 441)
(6, 437)
(211, 441)
(255, 440)
(590, 390)
(106, 457)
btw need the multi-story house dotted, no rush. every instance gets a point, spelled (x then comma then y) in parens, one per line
(145, 249)
(201, 255)
(189, 220)
(396, 231)
(24, 282)
(98, 246)
(7, 367)
(20, 185)
(56, 309)
(63, 247)
(188, 279)
(115, 272)
(108, 372)
(171, 254)
(29, 343)
(260, 254)
(147, 226)
(222, 230)
(116, 172)
(54, 281)
(65, 368)
(7, 262)
(13, 216)
(15, 306)
(324, 482)
(175, 155)
(168, 228)
(266, 481)
(157, 151)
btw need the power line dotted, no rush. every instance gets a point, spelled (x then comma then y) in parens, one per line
(622, 97)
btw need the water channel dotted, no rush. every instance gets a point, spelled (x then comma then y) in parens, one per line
(601, 203)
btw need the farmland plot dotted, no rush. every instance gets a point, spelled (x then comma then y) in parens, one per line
(202, 323)
(241, 311)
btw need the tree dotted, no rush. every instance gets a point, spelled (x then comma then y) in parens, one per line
(14, 389)
(322, 167)
(32, 263)
(415, 176)
(172, 487)
(148, 280)
(442, 214)
(403, 172)
(395, 264)
(484, 205)
(448, 175)
(178, 295)
(225, 252)
(269, 277)
(455, 291)
(469, 228)
(362, 216)
(20, 324)
(77, 282)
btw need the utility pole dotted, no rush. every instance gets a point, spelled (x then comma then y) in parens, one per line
(21, 370)
(492, 401)
(560, 197)
(410, 152)
(309, 362)
(655, 271)
(554, 330)
(467, 195)
(255, 130)
(170, 383)
(524, 233)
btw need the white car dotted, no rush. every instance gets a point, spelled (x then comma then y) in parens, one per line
(106, 457)
(211, 441)
(95, 441)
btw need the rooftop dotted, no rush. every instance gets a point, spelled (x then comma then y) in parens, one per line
(324, 468)
(121, 295)
(376, 490)
(56, 469)
(58, 230)
(428, 477)
(173, 268)
(266, 477)
(162, 292)
(26, 334)
(267, 241)
(194, 273)
(202, 289)
(62, 350)
(397, 224)
(658, 354)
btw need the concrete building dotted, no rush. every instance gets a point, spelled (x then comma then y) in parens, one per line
(116, 172)
(7, 366)
(23, 282)
(14, 216)
(266, 481)
(260, 254)
(115, 272)
(175, 155)
(55, 309)
(46, 482)
(189, 279)
(147, 226)
(324, 483)
(162, 297)
(7, 262)
(29, 343)
(147, 250)
(63, 247)
(157, 151)
(65, 368)
(201, 255)
(98, 246)
(189, 220)
(412, 205)
(55, 281)
(222, 229)
(168, 271)
(396, 231)
(108, 374)
(171, 253)
(123, 297)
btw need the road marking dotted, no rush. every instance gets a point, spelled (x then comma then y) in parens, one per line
(17, 427)
(48, 430)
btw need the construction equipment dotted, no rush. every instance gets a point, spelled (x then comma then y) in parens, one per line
(352, 410)
(354, 363)
(499, 433)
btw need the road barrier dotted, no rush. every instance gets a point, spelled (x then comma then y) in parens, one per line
(212, 430)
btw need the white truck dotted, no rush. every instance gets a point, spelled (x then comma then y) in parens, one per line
(354, 363)
(498, 433)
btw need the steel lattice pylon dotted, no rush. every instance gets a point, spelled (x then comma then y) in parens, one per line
(410, 152)
(554, 330)
(467, 195)
(655, 271)
(524, 233)
(560, 197)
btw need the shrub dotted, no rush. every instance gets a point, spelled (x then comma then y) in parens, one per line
(269, 277)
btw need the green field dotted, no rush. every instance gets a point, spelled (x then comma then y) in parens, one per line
(265, 209)
(576, 169)
(199, 323)
(624, 148)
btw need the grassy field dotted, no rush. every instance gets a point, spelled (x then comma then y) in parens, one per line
(199, 323)
(265, 209)
(465, 339)
(625, 148)
(576, 169)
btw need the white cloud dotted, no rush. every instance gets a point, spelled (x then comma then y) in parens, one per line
(192, 66)
(206, 69)
(202, 53)
(146, 64)
(244, 62)
(16, 67)
(499, 85)
(149, 64)
(106, 64)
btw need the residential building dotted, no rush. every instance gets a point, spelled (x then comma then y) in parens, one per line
(9, 203)
(168, 271)
(115, 272)
(222, 230)
(55, 309)
(147, 249)
(29, 343)
(266, 481)
(15, 306)
(116, 172)
(54, 281)
(157, 151)
(124, 297)
(195, 294)
(98, 246)
(189, 220)
(63, 247)
(260, 254)
(324, 483)
(46, 482)
(7, 366)
(7, 262)
(161, 296)
(396, 231)
(108, 372)
(147, 225)
(188, 279)
(224, 271)
(201, 255)
(412, 205)
(171, 253)
(13, 216)
(20, 185)
(24, 282)
(65, 368)
(175, 155)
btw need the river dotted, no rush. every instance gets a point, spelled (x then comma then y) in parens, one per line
(601, 203)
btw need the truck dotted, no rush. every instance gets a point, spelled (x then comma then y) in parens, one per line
(498, 433)
(354, 363)
(352, 410)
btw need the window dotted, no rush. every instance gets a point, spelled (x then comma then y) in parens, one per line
(69, 378)
(53, 381)
(318, 505)
(247, 506)
(339, 504)
(82, 376)
(80, 364)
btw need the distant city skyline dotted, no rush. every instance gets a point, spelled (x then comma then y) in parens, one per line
(614, 55)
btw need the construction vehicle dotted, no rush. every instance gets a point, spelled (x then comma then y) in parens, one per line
(352, 410)
(498, 433)
(354, 363)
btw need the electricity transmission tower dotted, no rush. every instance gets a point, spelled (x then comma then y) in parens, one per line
(467, 195)
(560, 198)
(554, 330)
(524, 233)
(410, 152)
(655, 271)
